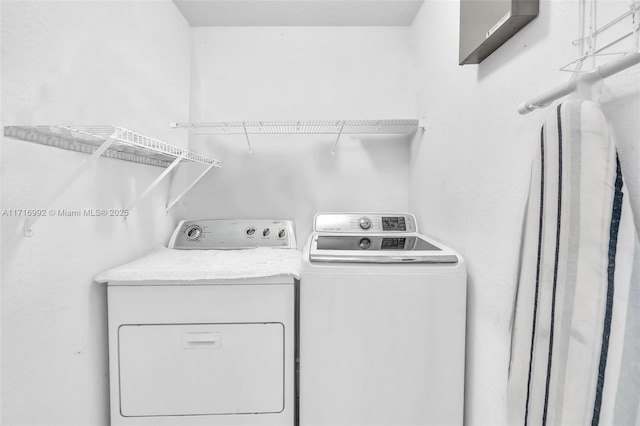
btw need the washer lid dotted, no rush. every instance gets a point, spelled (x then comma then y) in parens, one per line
(400, 248)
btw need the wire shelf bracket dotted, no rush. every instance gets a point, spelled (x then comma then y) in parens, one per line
(155, 183)
(30, 221)
(111, 142)
(175, 200)
(335, 145)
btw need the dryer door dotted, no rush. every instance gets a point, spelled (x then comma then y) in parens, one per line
(201, 369)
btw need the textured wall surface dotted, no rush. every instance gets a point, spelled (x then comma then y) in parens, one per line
(299, 73)
(470, 172)
(123, 63)
(138, 65)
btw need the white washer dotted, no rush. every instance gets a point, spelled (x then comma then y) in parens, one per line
(201, 335)
(382, 324)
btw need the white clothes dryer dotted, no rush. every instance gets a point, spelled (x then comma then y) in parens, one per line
(382, 324)
(203, 335)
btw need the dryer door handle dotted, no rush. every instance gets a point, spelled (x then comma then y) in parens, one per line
(201, 340)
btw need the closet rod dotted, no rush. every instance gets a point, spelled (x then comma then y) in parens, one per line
(610, 68)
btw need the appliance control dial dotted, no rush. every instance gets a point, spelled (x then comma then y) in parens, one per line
(251, 230)
(193, 232)
(364, 223)
(282, 233)
(364, 243)
(266, 232)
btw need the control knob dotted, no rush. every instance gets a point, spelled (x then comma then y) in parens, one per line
(282, 233)
(364, 223)
(364, 243)
(266, 232)
(251, 230)
(193, 232)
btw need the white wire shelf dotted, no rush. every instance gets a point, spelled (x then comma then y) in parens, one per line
(303, 127)
(126, 144)
(318, 127)
(112, 142)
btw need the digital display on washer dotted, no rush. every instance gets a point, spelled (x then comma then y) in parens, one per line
(393, 243)
(352, 242)
(393, 223)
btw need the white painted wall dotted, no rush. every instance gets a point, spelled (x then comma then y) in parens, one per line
(291, 73)
(470, 172)
(128, 63)
(111, 62)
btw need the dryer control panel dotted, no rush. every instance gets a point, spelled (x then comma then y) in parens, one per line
(365, 222)
(229, 234)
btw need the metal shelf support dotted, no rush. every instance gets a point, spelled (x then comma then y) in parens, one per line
(30, 221)
(159, 179)
(246, 135)
(333, 150)
(175, 200)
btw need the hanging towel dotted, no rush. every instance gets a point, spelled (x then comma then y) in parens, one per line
(575, 342)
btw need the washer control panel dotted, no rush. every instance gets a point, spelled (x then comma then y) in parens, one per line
(365, 222)
(221, 234)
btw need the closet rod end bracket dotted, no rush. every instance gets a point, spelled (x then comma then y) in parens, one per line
(526, 108)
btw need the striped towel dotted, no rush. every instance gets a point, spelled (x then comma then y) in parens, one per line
(575, 345)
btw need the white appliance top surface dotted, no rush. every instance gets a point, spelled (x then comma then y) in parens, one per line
(165, 264)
